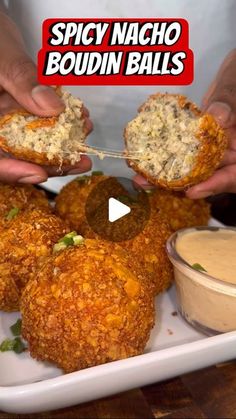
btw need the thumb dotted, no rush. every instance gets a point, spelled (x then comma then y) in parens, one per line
(18, 77)
(220, 100)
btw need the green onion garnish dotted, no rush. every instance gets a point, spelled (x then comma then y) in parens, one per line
(69, 239)
(78, 240)
(97, 173)
(59, 246)
(83, 179)
(7, 345)
(149, 191)
(12, 213)
(19, 346)
(16, 345)
(16, 328)
(198, 267)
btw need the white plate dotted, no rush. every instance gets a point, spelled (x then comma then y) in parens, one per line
(174, 348)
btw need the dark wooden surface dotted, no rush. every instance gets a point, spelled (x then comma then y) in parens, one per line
(209, 393)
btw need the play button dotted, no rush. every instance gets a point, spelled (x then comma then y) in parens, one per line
(116, 210)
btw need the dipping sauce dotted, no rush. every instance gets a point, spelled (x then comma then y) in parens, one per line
(207, 300)
(215, 251)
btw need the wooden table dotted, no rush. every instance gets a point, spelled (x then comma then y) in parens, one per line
(209, 393)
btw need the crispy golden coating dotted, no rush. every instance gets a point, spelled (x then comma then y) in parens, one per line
(180, 211)
(213, 144)
(71, 201)
(87, 306)
(23, 197)
(23, 246)
(150, 248)
(9, 292)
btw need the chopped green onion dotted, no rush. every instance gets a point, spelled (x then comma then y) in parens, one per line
(12, 213)
(78, 240)
(83, 179)
(19, 346)
(198, 267)
(69, 239)
(149, 191)
(16, 328)
(59, 246)
(71, 234)
(16, 345)
(97, 173)
(7, 345)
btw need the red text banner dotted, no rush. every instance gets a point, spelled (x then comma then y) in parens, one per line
(115, 52)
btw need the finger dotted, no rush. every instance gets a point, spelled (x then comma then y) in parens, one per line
(84, 165)
(223, 180)
(85, 112)
(88, 125)
(229, 158)
(220, 100)
(141, 181)
(7, 103)
(12, 171)
(18, 77)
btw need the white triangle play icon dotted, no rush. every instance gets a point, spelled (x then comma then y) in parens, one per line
(116, 210)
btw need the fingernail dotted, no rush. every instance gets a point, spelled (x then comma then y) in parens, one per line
(76, 171)
(221, 111)
(31, 179)
(45, 97)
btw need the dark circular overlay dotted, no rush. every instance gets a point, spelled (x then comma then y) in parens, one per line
(125, 191)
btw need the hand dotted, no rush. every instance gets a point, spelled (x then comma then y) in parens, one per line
(220, 101)
(19, 88)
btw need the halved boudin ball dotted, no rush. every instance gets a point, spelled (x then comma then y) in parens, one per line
(51, 141)
(180, 146)
(89, 304)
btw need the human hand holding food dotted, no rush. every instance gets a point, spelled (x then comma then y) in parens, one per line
(19, 89)
(180, 145)
(220, 101)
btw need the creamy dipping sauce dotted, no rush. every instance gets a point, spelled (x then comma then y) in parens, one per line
(215, 251)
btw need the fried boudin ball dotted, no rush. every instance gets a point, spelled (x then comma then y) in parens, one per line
(51, 141)
(15, 198)
(72, 199)
(150, 248)
(23, 246)
(180, 211)
(88, 305)
(179, 145)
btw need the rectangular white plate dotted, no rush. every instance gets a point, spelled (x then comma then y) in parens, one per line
(174, 348)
